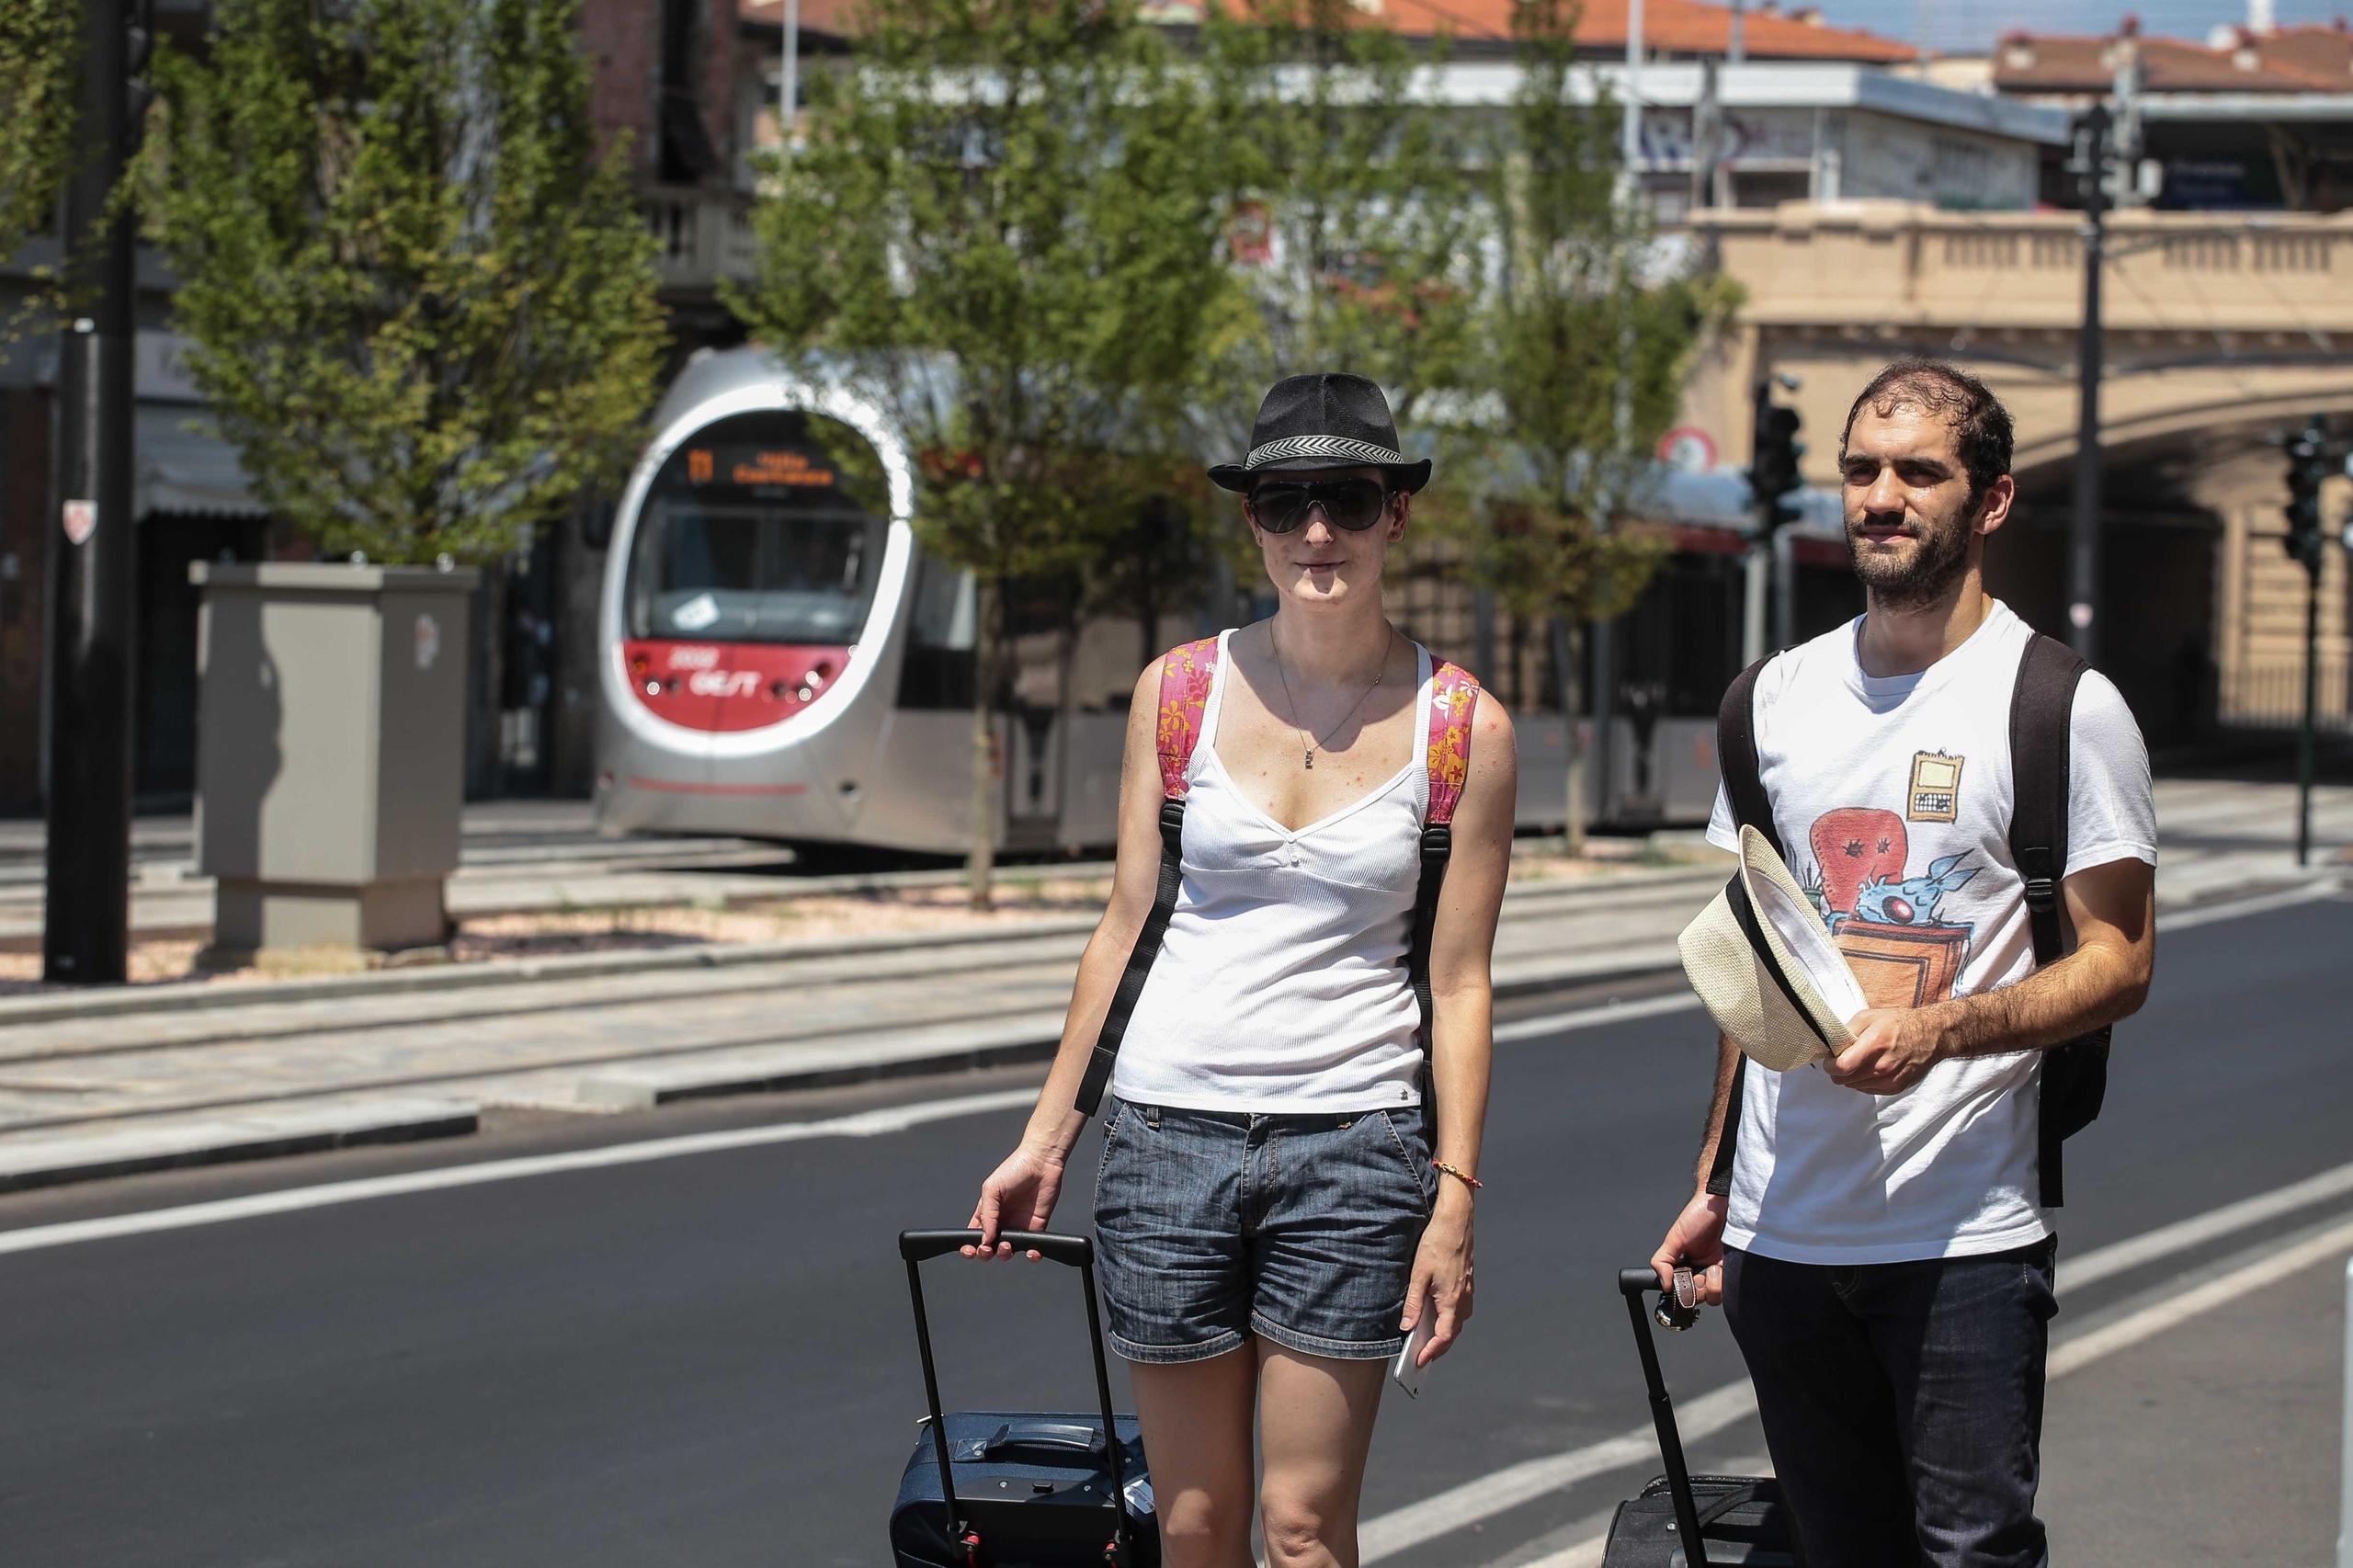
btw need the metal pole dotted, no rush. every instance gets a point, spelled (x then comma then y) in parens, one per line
(86, 923)
(2083, 564)
(1736, 47)
(1629, 113)
(788, 83)
(2345, 1439)
(1755, 571)
(2311, 699)
(1785, 590)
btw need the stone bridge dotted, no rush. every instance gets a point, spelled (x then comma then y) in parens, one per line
(2222, 330)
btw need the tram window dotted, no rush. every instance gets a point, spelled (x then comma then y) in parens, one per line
(937, 669)
(747, 536)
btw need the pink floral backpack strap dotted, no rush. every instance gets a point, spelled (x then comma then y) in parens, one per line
(1186, 673)
(1454, 698)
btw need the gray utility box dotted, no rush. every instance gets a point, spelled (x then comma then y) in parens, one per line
(330, 752)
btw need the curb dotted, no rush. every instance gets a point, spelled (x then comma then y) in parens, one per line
(181, 995)
(634, 1084)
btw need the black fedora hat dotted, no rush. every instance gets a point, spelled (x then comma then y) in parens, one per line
(1326, 420)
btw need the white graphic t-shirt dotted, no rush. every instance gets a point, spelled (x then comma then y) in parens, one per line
(1891, 798)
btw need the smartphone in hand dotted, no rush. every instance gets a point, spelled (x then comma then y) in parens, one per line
(1406, 1372)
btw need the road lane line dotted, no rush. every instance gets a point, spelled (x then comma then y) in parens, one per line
(1403, 1529)
(864, 1124)
(2256, 1269)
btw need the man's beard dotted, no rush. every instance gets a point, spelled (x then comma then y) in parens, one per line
(1924, 579)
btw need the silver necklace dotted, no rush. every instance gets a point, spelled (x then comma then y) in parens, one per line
(1309, 744)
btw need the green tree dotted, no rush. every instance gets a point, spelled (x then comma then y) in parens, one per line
(1587, 341)
(1364, 197)
(39, 109)
(421, 306)
(1006, 226)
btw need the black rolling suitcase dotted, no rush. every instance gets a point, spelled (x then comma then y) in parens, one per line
(1681, 1520)
(1004, 1489)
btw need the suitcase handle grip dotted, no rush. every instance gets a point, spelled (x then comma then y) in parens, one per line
(1076, 1251)
(1634, 1281)
(1016, 1437)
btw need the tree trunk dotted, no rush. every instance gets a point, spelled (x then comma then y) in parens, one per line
(1568, 661)
(981, 864)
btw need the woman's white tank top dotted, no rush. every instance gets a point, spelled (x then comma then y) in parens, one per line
(1281, 985)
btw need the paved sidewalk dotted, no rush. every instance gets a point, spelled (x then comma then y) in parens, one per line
(93, 1083)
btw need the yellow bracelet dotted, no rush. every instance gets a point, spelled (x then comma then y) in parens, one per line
(1458, 1173)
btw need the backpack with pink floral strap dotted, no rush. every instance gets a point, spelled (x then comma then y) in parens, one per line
(1186, 673)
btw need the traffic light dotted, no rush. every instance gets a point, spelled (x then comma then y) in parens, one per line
(1773, 471)
(2307, 467)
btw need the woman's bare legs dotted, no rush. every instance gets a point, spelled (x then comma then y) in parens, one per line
(1196, 1419)
(1314, 1429)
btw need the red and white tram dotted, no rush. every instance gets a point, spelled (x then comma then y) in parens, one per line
(780, 661)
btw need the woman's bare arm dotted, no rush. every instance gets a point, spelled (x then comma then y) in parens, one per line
(1021, 1194)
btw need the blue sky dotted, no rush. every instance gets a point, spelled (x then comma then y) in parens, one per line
(1971, 25)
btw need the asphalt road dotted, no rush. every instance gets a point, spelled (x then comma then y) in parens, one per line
(707, 1359)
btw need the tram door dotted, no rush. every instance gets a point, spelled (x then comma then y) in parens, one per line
(1036, 704)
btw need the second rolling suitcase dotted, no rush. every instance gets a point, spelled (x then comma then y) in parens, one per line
(1681, 1520)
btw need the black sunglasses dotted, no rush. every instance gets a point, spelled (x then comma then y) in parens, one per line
(1351, 503)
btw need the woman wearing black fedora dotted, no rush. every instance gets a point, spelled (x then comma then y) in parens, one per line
(1274, 1212)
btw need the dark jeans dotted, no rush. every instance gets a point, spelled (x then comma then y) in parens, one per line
(1903, 1403)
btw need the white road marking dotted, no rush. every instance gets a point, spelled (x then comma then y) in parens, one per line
(1402, 1530)
(1587, 1017)
(2262, 903)
(864, 1124)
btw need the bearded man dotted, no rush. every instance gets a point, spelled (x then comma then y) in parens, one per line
(1876, 1226)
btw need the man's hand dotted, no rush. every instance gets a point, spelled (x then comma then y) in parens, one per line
(1893, 1049)
(1696, 1237)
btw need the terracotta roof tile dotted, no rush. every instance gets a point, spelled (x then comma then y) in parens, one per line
(2295, 60)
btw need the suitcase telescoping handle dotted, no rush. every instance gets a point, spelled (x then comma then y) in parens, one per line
(1633, 1284)
(1078, 1252)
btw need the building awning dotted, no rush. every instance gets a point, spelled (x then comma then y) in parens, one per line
(183, 465)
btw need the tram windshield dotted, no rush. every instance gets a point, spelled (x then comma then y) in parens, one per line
(748, 537)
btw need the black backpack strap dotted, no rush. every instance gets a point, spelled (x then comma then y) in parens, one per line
(1155, 928)
(1744, 788)
(2074, 1075)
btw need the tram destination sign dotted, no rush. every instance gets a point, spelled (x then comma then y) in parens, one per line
(751, 466)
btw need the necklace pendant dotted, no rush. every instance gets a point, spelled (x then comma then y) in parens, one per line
(1307, 759)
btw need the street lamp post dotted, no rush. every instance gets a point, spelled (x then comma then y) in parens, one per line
(86, 919)
(2083, 554)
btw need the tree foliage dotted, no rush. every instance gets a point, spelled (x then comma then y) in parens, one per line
(1586, 342)
(421, 307)
(1006, 226)
(39, 48)
(1368, 195)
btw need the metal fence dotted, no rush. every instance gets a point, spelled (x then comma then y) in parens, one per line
(2270, 695)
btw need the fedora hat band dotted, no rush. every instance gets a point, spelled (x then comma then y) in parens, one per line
(1744, 914)
(1341, 448)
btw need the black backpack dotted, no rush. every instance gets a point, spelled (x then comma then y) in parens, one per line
(2074, 1075)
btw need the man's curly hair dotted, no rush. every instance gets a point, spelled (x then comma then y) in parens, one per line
(1981, 426)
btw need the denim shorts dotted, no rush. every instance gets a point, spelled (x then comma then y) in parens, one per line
(1211, 1226)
